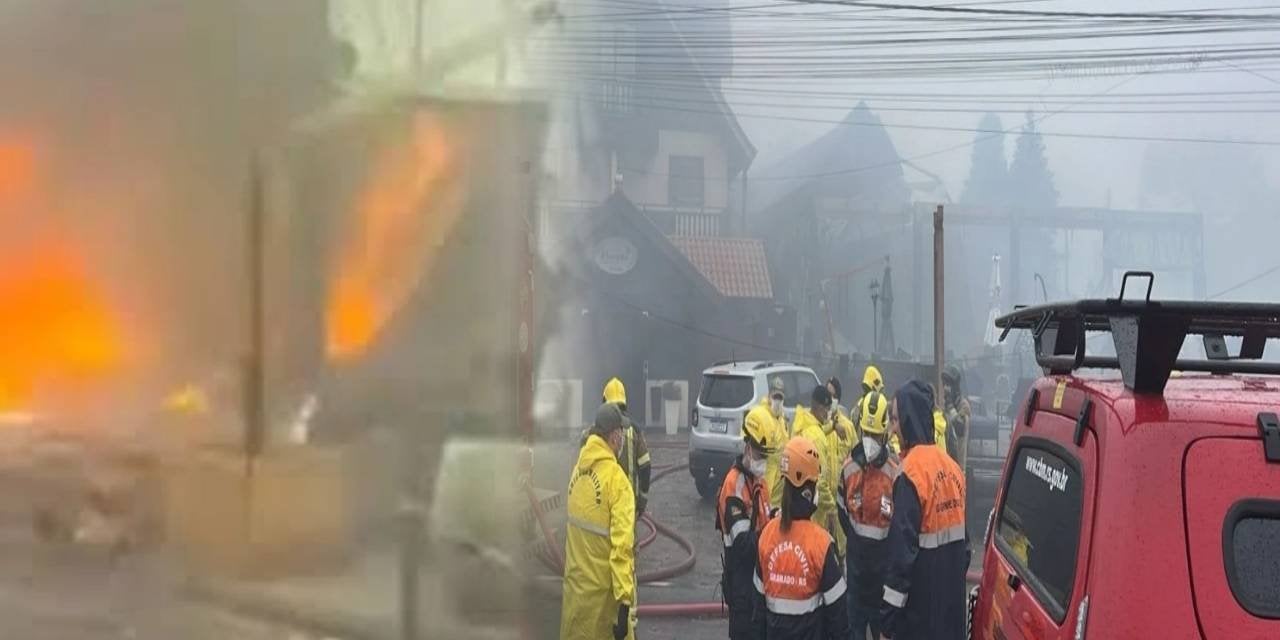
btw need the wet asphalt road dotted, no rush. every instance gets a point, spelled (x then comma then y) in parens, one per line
(674, 501)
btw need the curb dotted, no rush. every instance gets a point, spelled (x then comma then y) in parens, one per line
(326, 624)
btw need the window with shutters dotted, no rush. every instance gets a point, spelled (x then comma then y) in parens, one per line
(686, 186)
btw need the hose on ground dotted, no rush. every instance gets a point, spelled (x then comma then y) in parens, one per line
(648, 538)
(680, 568)
(552, 559)
(552, 548)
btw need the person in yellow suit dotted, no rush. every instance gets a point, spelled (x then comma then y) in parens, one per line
(769, 417)
(814, 424)
(599, 558)
(845, 435)
(634, 458)
(873, 381)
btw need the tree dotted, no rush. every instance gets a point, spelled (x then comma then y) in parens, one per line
(1032, 192)
(988, 169)
(1030, 180)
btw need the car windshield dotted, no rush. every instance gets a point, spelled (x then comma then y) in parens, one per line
(726, 392)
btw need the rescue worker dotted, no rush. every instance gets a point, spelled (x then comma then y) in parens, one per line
(634, 457)
(814, 423)
(742, 510)
(924, 596)
(845, 432)
(635, 451)
(873, 381)
(895, 446)
(939, 424)
(599, 558)
(866, 508)
(797, 573)
(771, 412)
(955, 409)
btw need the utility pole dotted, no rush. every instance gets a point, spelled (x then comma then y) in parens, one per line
(409, 515)
(255, 364)
(939, 344)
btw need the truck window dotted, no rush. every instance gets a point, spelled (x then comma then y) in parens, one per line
(1252, 535)
(1039, 524)
(726, 392)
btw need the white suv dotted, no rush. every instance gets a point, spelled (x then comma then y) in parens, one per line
(729, 391)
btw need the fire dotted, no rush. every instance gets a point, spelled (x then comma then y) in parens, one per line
(56, 327)
(410, 202)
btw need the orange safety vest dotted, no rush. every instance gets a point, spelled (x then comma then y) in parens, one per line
(791, 565)
(755, 502)
(868, 496)
(940, 485)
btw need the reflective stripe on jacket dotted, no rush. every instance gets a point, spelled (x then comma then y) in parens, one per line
(599, 568)
(635, 453)
(868, 495)
(867, 506)
(924, 582)
(806, 425)
(801, 582)
(742, 510)
(777, 438)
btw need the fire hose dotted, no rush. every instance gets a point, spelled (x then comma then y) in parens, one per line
(554, 561)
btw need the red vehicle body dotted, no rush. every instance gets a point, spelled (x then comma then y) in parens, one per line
(1162, 479)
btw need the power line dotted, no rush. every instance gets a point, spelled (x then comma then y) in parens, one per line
(925, 127)
(937, 152)
(1245, 283)
(645, 10)
(909, 96)
(958, 74)
(844, 107)
(1041, 14)
(896, 37)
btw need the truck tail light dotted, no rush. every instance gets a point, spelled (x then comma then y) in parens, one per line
(693, 417)
(1082, 616)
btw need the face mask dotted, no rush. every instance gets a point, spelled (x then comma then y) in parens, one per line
(870, 447)
(775, 405)
(756, 465)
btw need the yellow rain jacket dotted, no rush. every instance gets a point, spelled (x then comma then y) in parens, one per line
(845, 436)
(777, 439)
(940, 430)
(806, 424)
(599, 558)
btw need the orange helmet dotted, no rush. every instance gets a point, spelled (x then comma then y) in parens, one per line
(799, 464)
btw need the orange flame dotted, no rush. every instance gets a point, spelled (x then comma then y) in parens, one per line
(412, 198)
(55, 325)
(17, 172)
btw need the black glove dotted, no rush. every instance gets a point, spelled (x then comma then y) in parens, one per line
(624, 622)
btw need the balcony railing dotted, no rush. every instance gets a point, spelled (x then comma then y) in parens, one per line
(615, 97)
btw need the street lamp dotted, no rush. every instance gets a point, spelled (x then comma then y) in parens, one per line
(875, 316)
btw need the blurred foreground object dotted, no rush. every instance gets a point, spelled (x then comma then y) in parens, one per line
(397, 261)
(290, 516)
(473, 528)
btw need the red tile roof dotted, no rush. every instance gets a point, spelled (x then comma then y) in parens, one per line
(737, 267)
